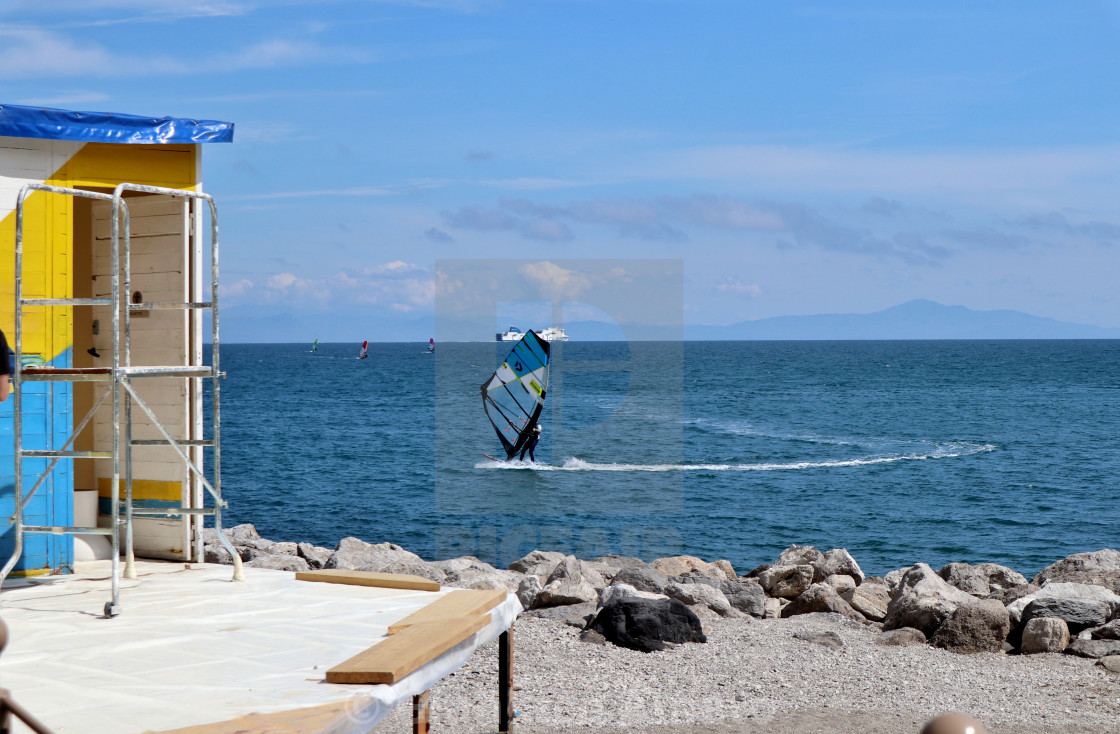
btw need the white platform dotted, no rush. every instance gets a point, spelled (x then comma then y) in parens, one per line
(192, 647)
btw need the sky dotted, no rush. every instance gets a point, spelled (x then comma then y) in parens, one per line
(793, 158)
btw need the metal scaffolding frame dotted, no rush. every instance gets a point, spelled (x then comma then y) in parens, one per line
(119, 378)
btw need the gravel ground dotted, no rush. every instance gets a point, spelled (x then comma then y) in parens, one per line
(755, 676)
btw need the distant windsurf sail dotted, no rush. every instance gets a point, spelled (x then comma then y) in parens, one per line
(431, 345)
(365, 348)
(513, 397)
(315, 346)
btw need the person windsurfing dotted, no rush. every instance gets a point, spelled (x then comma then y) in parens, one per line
(531, 444)
(363, 354)
(432, 345)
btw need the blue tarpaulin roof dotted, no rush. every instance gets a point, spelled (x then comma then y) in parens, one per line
(108, 127)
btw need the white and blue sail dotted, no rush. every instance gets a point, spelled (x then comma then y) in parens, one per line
(514, 395)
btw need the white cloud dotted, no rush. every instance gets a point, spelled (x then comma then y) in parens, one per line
(281, 281)
(554, 282)
(734, 285)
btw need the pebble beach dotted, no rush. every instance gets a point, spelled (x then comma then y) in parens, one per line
(755, 676)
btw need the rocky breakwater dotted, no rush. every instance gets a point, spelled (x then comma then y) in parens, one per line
(1072, 606)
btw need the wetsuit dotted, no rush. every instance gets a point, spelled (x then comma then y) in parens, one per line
(531, 444)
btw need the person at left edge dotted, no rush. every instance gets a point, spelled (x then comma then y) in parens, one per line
(531, 444)
(5, 368)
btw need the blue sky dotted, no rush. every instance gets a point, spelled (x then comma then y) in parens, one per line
(799, 158)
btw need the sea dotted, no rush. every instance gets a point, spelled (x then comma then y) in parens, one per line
(898, 451)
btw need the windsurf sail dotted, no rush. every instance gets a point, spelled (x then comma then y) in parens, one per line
(365, 347)
(514, 395)
(315, 346)
(432, 345)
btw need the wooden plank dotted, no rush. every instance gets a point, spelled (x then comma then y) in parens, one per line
(395, 657)
(369, 578)
(459, 603)
(311, 720)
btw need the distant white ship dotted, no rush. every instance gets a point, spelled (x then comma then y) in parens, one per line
(551, 334)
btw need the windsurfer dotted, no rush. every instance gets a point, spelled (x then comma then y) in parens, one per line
(531, 444)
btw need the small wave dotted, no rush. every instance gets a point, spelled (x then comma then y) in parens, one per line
(951, 451)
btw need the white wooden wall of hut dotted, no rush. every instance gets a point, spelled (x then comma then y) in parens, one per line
(159, 272)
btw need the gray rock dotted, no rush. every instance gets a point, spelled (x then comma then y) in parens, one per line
(821, 598)
(279, 562)
(966, 578)
(242, 533)
(642, 579)
(528, 590)
(827, 639)
(570, 583)
(774, 608)
(840, 582)
(1000, 577)
(470, 573)
(538, 563)
(1110, 663)
(837, 562)
(923, 601)
(1078, 614)
(1089, 648)
(798, 555)
(218, 554)
(353, 554)
(980, 626)
(746, 596)
(902, 637)
(564, 613)
(677, 565)
(1044, 634)
(702, 595)
(1098, 567)
(693, 577)
(625, 591)
(315, 556)
(894, 579)
(1013, 593)
(289, 549)
(787, 582)
(1107, 631)
(592, 637)
(870, 600)
(620, 562)
(1061, 590)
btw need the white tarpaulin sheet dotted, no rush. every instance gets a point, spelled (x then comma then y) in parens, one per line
(192, 647)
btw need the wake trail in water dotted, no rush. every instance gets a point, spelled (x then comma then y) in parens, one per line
(576, 464)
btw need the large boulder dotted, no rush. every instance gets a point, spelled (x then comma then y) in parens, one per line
(678, 565)
(702, 595)
(353, 554)
(840, 582)
(1078, 614)
(1044, 634)
(470, 573)
(1060, 590)
(923, 601)
(620, 562)
(870, 600)
(837, 562)
(316, 556)
(1000, 577)
(787, 582)
(1108, 631)
(1098, 567)
(902, 637)
(528, 591)
(746, 595)
(538, 563)
(979, 626)
(966, 578)
(625, 591)
(798, 555)
(279, 562)
(571, 582)
(642, 579)
(1093, 648)
(647, 624)
(821, 598)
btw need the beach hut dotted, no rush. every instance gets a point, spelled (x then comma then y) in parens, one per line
(66, 346)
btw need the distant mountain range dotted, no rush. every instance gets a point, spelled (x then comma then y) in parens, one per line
(919, 319)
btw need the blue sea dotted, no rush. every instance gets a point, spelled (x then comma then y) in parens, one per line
(933, 451)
